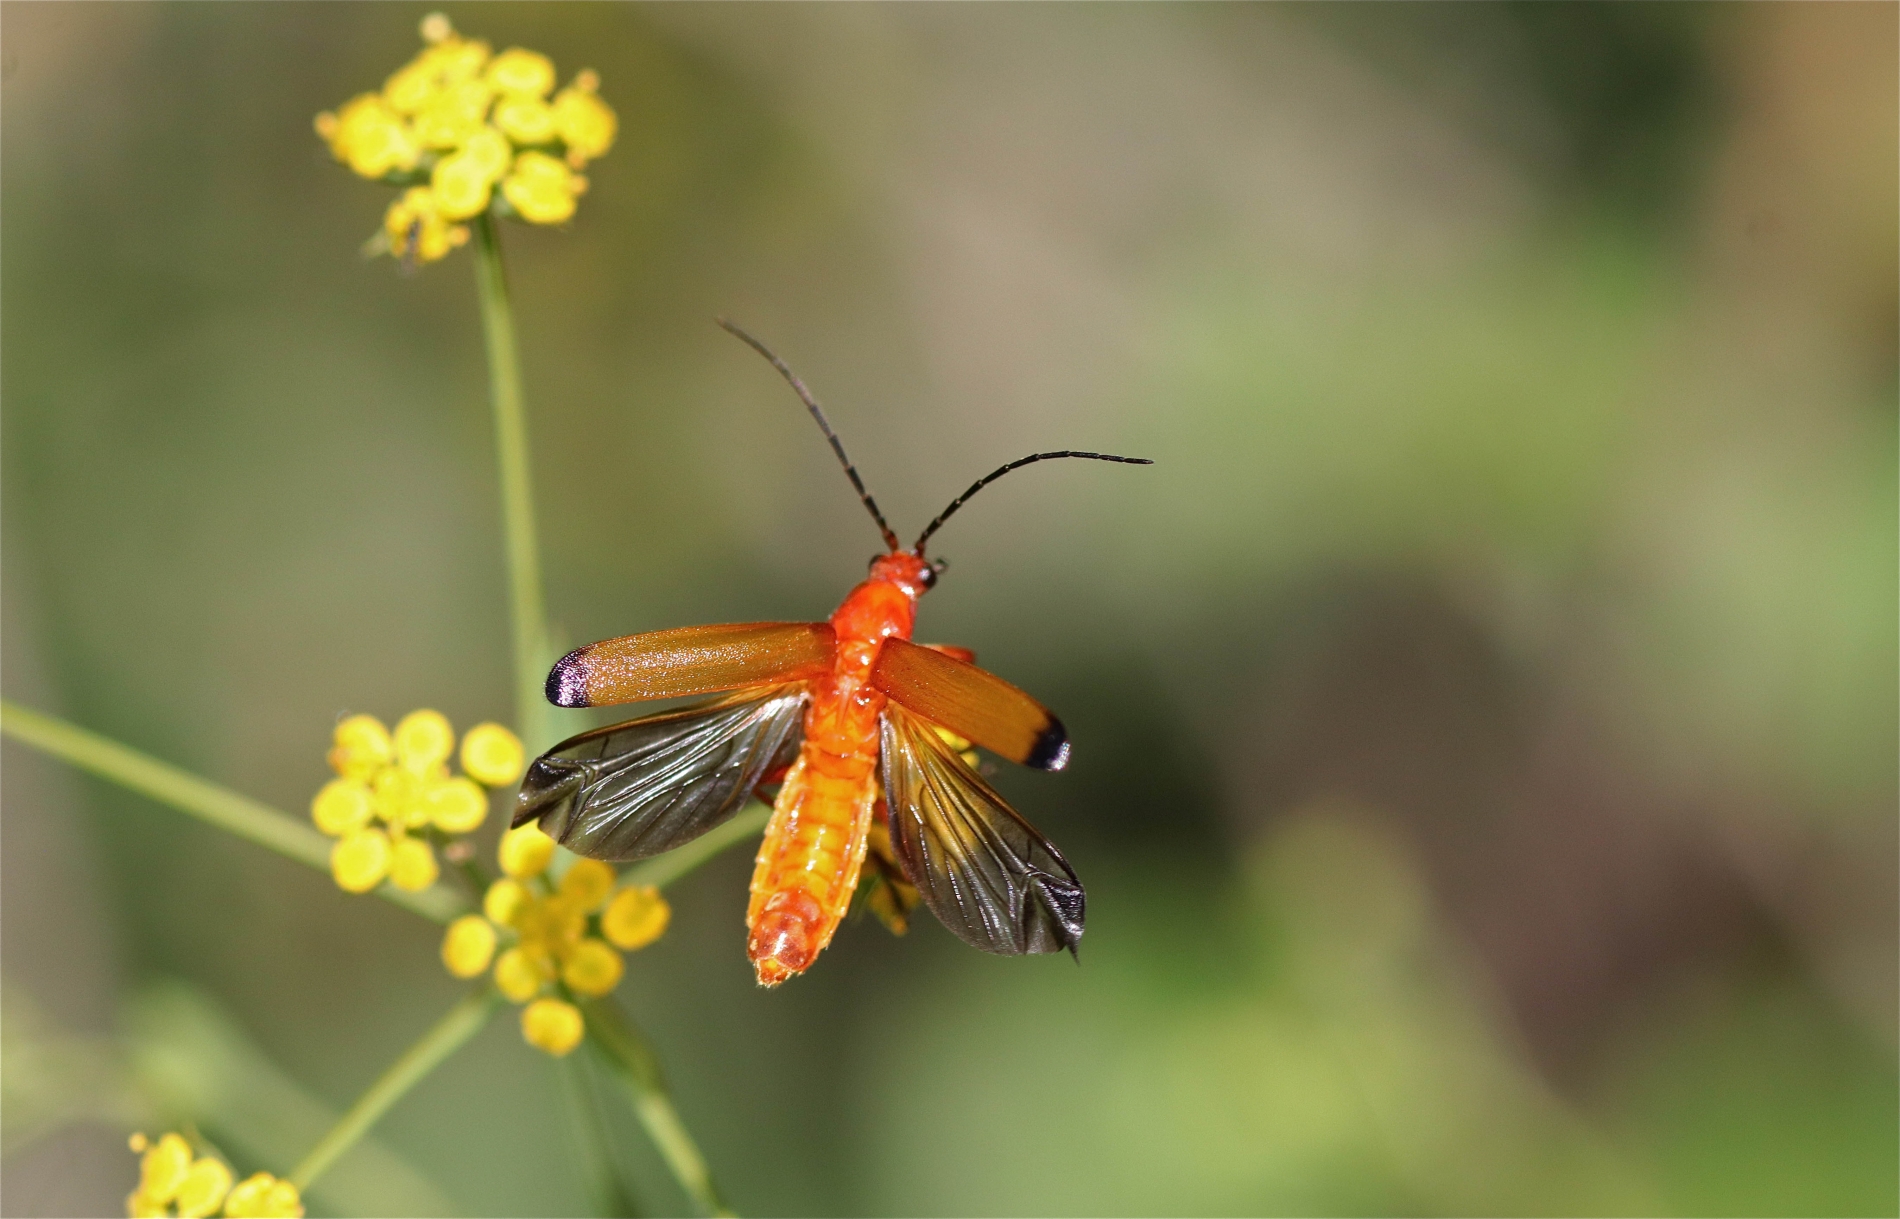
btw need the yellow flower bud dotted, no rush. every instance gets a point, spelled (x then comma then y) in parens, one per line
(138, 1206)
(636, 917)
(248, 1198)
(436, 28)
(585, 124)
(459, 59)
(457, 112)
(416, 227)
(551, 925)
(203, 1189)
(282, 1201)
(359, 861)
(492, 755)
(469, 946)
(541, 189)
(461, 186)
(163, 1169)
(396, 795)
(489, 151)
(423, 739)
(525, 119)
(369, 137)
(412, 864)
(552, 1025)
(519, 71)
(377, 145)
(592, 968)
(525, 851)
(956, 743)
(412, 86)
(341, 806)
(588, 883)
(362, 747)
(505, 900)
(448, 62)
(518, 975)
(456, 806)
(959, 746)
(263, 1196)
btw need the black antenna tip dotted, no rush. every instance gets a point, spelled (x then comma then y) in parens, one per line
(997, 473)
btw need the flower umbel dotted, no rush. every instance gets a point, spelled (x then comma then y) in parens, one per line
(468, 131)
(174, 1181)
(560, 938)
(393, 793)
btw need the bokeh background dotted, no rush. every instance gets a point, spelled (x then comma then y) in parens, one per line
(1485, 709)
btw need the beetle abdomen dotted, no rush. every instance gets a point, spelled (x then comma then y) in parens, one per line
(807, 868)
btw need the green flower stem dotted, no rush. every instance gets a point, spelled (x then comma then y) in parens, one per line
(517, 488)
(663, 870)
(632, 1061)
(207, 801)
(590, 1142)
(462, 1022)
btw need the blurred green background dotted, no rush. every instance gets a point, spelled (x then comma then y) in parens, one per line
(1485, 709)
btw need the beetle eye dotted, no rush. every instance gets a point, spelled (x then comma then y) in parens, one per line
(928, 576)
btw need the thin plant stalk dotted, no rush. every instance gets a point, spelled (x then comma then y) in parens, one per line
(620, 1043)
(633, 1063)
(528, 615)
(278, 831)
(592, 1149)
(450, 1033)
(207, 801)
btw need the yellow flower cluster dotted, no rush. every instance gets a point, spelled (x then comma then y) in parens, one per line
(565, 935)
(172, 1181)
(466, 130)
(393, 789)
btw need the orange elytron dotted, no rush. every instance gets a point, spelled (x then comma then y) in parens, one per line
(864, 732)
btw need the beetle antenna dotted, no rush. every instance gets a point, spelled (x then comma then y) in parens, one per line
(824, 424)
(997, 473)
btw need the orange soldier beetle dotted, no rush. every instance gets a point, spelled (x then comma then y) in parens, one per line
(849, 717)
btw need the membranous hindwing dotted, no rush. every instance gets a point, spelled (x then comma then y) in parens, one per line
(987, 874)
(633, 790)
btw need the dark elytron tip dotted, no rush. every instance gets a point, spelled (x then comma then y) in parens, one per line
(1051, 750)
(567, 681)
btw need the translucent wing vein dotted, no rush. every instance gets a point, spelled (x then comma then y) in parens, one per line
(986, 873)
(636, 789)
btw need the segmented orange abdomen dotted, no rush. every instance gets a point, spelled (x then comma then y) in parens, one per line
(807, 869)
